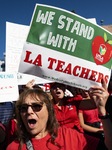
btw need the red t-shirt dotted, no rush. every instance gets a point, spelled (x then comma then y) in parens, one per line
(68, 139)
(68, 114)
(90, 116)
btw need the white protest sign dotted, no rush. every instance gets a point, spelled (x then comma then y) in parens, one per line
(15, 38)
(64, 47)
(8, 87)
(23, 79)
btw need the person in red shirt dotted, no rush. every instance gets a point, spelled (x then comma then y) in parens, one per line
(66, 112)
(89, 120)
(38, 127)
(65, 138)
(91, 123)
(67, 108)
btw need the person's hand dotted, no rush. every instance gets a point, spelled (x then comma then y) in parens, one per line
(30, 84)
(100, 96)
(100, 131)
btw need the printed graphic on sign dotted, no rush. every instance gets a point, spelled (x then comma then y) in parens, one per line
(101, 49)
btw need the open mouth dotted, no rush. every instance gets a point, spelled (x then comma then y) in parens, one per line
(58, 93)
(32, 123)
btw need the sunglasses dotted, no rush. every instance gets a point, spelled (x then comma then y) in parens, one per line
(35, 106)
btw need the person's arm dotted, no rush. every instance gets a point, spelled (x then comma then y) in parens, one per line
(87, 127)
(30, 84)
(86, 104)
(101, 99)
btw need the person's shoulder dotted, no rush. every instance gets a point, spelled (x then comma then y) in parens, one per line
(13, 146)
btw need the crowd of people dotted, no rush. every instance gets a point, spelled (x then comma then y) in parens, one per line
(53, 120)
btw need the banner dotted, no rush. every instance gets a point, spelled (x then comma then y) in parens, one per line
(8, 87)
(64, 47)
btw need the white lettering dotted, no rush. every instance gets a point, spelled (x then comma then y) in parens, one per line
(47, 18)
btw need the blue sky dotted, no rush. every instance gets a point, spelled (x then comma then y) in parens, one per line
(20, 12)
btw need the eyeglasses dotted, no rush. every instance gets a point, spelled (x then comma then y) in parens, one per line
(35, 106)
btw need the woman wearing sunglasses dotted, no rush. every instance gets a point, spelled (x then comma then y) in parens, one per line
(38, 127)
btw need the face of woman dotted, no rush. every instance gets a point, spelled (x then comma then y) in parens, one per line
(57, 91)
(35, 121)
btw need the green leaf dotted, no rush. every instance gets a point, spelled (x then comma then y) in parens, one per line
(105, 37)
(110, 42)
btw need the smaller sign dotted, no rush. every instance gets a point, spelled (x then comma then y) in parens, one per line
(8, 87)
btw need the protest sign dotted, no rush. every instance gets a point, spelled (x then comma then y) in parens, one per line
(8, 87)
(15, 37)
(64, 47)
(23, 79)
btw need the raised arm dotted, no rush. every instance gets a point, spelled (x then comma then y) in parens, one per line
(101, 94)
(30, 84)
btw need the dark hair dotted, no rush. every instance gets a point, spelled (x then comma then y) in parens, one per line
(54, 83)
(52, 123)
